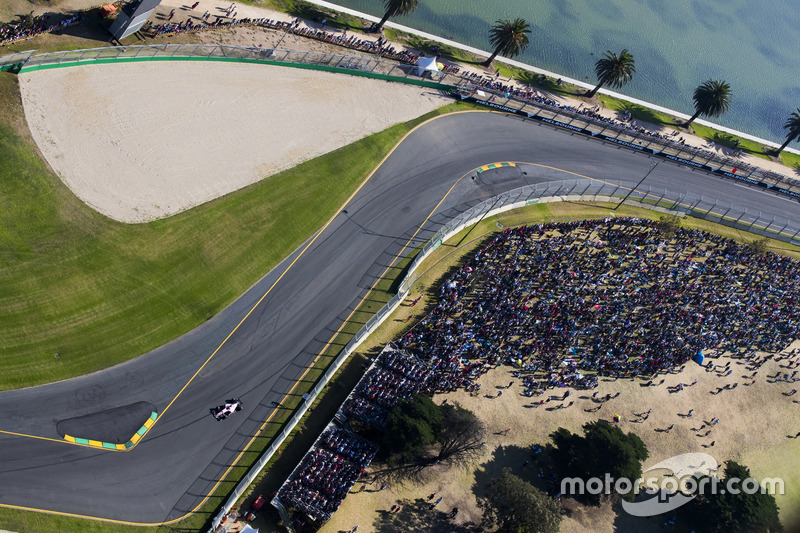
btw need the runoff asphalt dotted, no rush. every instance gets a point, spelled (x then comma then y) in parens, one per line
(178, 462)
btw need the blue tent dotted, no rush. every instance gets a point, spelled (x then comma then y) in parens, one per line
(699, 358)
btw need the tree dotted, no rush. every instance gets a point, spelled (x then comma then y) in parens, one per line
(517, 506)
(396, 7)
(793, 127)
(462, 437)
(603, 449)
(420, 434)
(668, 226)
(759, 246)
(712, 98)
(509, 37)
(411, 427)
(614, 70)
(733, 511)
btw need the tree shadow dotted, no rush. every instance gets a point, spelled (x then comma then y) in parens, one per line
(644, 114)
(416, 515)
(726, 141)
(551, 85)
(627, 523)
(522, 462)
(722, 139)
(93, 27)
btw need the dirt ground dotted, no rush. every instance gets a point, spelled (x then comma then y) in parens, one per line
(743, 414)
(140, 141)
(82, 118)
(755, 420)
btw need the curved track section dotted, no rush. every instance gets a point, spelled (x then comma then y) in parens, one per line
(261, 345)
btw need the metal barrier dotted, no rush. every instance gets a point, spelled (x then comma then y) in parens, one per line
(569, 190)
(15, 61)
(367, 64)
(361, 63)
(702, 207)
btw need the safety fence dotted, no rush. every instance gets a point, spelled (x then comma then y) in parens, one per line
(478, 89)
(364, 64)
(698, 206)
(743, 218)
(15, 61)
(581, 121)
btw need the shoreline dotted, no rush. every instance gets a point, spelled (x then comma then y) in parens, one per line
(152, 205)
(537, 70)
(245, 8)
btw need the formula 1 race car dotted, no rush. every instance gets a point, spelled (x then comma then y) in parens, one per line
(221, 412)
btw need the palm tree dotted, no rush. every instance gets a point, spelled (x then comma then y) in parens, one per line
(614, 70)
(712, 98)
(396, 7)
(793, 125)
(509, 37)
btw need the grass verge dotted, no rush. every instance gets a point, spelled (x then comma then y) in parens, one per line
(638, 112)
(728, 140)
(791, 160)
(98, 292)
(437, 266)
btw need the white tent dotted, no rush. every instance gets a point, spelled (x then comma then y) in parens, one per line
(427, 64)
(248, 529)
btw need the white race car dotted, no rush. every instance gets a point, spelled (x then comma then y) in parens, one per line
(221, 412)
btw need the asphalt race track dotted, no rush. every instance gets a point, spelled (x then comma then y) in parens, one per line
(178, 462)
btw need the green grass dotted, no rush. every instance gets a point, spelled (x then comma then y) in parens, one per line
(729, 141)
(546, 83)
(774, 463)
(99, 292)
(450, 53)
(313, 12)
(638, 112)
(791, 160)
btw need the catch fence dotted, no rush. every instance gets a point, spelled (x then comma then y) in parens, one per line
(479, 89)
(367, 65)
(701, 206)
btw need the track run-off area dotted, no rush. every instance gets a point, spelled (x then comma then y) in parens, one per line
(260, 347)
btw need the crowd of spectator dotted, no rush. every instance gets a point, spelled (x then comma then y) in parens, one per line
(561, 304)
(327, 473)
(380, 47)
(393, 377)
(190, 25)
(32, 26)
(624, 122)
(565, 303)
(569, 301)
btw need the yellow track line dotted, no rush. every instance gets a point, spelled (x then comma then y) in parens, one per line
(274, 411)
(33, 436)
(272, 414)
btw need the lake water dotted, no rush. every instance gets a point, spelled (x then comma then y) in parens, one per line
(677, 44)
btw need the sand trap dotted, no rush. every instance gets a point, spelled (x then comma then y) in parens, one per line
(141, 141)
